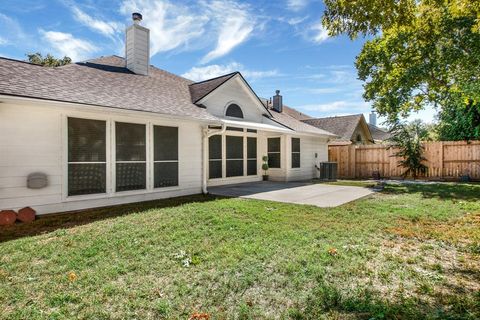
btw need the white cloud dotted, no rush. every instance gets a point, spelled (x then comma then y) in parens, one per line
(234, 23)
(215, 70)
(66, 44)
(319, 33)
(171, 25)
(324, 90)
(107, 28)
(297, 5)
(10, 30)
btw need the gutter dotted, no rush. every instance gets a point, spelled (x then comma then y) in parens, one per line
(207, 133)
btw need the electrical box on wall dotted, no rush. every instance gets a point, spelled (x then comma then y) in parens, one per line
(37, 180)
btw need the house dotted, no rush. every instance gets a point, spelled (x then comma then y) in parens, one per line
(351, 129)
(116, 130)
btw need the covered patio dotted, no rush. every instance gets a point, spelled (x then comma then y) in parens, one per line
(320, 195)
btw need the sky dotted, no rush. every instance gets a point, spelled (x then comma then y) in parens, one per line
(274, 44)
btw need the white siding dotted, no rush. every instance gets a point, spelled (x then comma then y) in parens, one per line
(33, 139)
(234, 91)
(137, 49)
(309, 146)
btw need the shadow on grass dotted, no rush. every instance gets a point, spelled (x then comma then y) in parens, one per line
(466, 192)
(326, 299)
(65, 220)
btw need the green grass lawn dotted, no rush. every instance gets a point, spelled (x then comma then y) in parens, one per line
(410, 252)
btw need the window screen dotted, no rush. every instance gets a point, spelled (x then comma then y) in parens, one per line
(234, 149)
(215, 157)
(274, 152)
(234, 110)
(295, 153)
(131, 166)
(86, 156)
(251, 156)
(165, 156)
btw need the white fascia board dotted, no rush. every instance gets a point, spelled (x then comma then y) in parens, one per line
(96, 108)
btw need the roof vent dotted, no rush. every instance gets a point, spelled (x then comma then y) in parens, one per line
(137, 17)
(137, 46)
(277, 102)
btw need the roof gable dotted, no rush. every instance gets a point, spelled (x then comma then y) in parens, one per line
(343, 126)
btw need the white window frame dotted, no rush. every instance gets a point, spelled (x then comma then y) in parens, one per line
(111, 156)
(295, 152)
(233, 118)
(243, 134)
(152, 152)
(279, 152)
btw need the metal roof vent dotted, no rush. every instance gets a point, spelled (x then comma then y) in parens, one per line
(137, 17)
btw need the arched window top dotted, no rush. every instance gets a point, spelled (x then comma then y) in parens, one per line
(359, 138)
(234, 110)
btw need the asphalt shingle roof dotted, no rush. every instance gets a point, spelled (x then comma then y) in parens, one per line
(106, 82)
(343, 126)
(102, 82)
(201, 89)
(379, 133)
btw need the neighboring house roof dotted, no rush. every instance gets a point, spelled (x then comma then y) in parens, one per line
(343, 126)
(201, 89)
(379, 134)
(297, 125)
(102, 82)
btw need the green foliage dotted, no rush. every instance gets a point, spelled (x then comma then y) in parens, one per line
(407, 138)
(265, 166)
(259, 259)
(48, 60)
(420, 53)
(460, 122)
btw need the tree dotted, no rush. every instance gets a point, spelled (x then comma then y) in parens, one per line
(419, 53)
(460, 122)
(48, 60)
(407, 139)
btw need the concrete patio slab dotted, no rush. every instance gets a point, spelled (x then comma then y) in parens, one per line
(320, 195)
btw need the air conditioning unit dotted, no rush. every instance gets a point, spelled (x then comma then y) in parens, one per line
(328, 171)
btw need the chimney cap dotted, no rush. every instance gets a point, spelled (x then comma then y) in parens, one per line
(137, 17)
(277, 92)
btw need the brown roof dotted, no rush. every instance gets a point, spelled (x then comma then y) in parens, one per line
(379, 133)
(295, 113)
(102, 82)
(106, 82)
(199, 90)
(343, 126)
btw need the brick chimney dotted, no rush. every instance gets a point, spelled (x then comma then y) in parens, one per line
(277, 102)
(137, 46)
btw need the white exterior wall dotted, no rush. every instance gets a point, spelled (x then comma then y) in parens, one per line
(234, 91)
(137, 49)
(33, 138)
(309, 146)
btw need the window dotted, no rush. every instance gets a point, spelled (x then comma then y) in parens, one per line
(295, 153)
(234, 110)
(274, 152)
(215, 157)
(234, 148)
(87, 157)
(165, 156)
(251, 156)
(131, 164)
(359, 138)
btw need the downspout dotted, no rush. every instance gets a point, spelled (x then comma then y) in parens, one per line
(207, 134)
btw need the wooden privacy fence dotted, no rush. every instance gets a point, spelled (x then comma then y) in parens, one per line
(445, 160)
